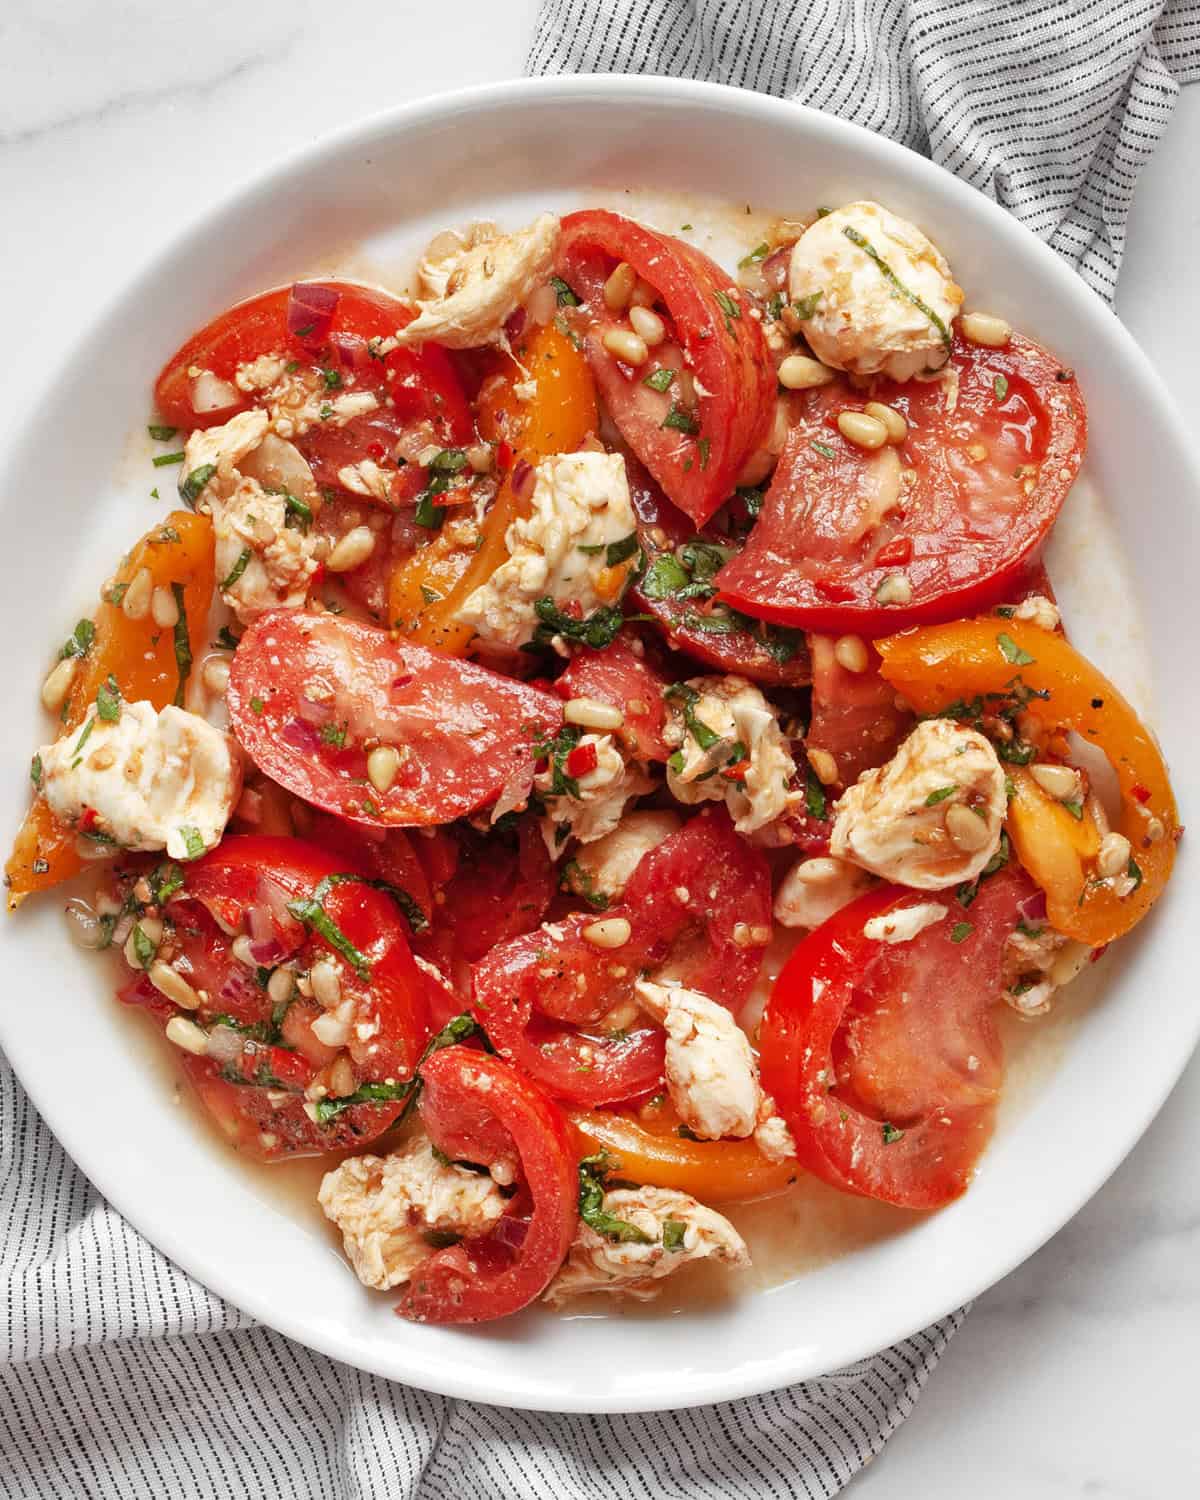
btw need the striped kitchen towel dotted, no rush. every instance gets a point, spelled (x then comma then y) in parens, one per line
(1051, 107)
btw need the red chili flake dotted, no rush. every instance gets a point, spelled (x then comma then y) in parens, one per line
(1142, 793)
(514, 324)
(88, 819)
(399, 683)
(828, 589)
(1099, 952)
(376, 450)
(582, 760)
(899, 550)
(736, 772)
(504, 456)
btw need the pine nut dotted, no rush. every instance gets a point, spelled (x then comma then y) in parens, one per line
(850, 652)
(188, 1035)
(611, 932)
(169, 982)
(895, 589)
(897, 427)
(481, 457)
(1069, 963)
(968, 830)
(983, 328)
(151, 930)
(331, 1030)
(819, 870)
(341, 1077)
(281, 986)
(382, 765)
(240, 948)
(163, 609)
(326, 986)
(1155, 830)
(1114, 854)
(58, 684)
(352, 551)
(215, 675)
(861, 430)
(799, 373)
(649, 325)
(135, 604)
(824, 765)
(625, 345)
(643, 294)
(1060, 782)
(589, 713)
(619, 287)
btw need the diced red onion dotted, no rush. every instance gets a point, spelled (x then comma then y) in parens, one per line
(240, 990)
(225, 1045)
(310, 311)
(351, 350)
(314, 713)
(514, 794)
(510, 1231)
(514, 324)
(1033, 908)
(522, 480)
(775, 268)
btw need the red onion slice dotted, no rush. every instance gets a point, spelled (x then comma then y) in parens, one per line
(310, 311)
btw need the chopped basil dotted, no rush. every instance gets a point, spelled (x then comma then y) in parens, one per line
(1075, 809)
(1012, 652)
(684, 228)
(599, 629)
(704, 446)
(430, 595)
(193, 483)
(564, 294)
(727, 304)
(428, 514)
(325, 411)
(237, 570)
(406, 1089)
(675, 762)
(890, 1134)
(619, 552)
(775, 306)
(758, 254)
(660, 379)
(680, 420)
(940, 795)
(822, 448)
(332, 378)
(442, 469)
(681, 692)
(119, 591)
(312, 913)
(665, 577)
(567, 331)
(814, 795)
(144, 946)
(673, 1231)
(79, 642)
(161, 434)
(182, 642)
(592, 1172)
(1000, 386)
(806, 307)
(556, 752)
(919, 303)
(226, 639)
(85, 736)
(999, 859)
(298, 508)
(35, 771)
(257, 705)
(163, 460)
(164, 880)
(335, 735)
(576, 880)
(961, 931)
(1133, 870)
(108, 700)
(192, 841)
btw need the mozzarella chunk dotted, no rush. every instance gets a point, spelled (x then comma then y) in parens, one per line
(904, 925)
(712, 1076)
(1038, 961)
(478, 285)
(772, 1137)
(736, 713)
(151, 779)
(813, 889)
(931, 817)
(366, 478)
(603, 793)
(387, 1207)
(861, 320)
(261, 562)
(580, 500)
(222, 449)
(596, 1264)
(606, 864)
(262, 373)
(1038, 610)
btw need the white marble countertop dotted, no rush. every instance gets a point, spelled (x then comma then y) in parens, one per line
(1074, 1377)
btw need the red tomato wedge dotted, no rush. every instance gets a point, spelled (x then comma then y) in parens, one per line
(883, 1057)
(854, 714)
(939, 526)
(695, 901)
(620, 678)
(384, 854)
(308, 692)
(694, 451)
(673, 590)
(421, 401)
(476, 1108)
(262, 1054)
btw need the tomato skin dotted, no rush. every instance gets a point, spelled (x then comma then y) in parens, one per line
(475, 1106)
(684, 902)
(834, 1013)
(944, 663)
(816, 559)
(854, 714)
(624, 680)
(383, 855)
(463, 730)
(727, 354)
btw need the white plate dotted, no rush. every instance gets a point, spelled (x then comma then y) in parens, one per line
(74, 494)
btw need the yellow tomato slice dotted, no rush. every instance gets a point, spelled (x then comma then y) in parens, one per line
(427, 589)
(148, 662)
(940, 665)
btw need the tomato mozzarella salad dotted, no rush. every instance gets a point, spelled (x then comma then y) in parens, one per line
(523, 660)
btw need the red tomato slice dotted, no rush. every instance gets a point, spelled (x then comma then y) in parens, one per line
(306, 692)
(701, 900)
(384, 854)
(622, 679)
(254, 1086)
(988, 479)
(478, 1109)
(697, 460)
(712, 634)
(854, 714)
(883, 1058)
(421, 399)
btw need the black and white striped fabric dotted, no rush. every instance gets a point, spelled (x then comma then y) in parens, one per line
(1051, 107)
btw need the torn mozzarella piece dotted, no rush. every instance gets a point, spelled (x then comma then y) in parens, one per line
(729, 722)
(148, 779)
(932, 817)
(691, 1232)
(1038, 610)
(813, 889)
(479, 284)
(1038, 961)
(388, 1207)
(878, 290)
(261, 562)
(217, 451)
(603, 794)
(606, 864)
(301, 400)
(580, 506)
(711, 1072)
(904, 925)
